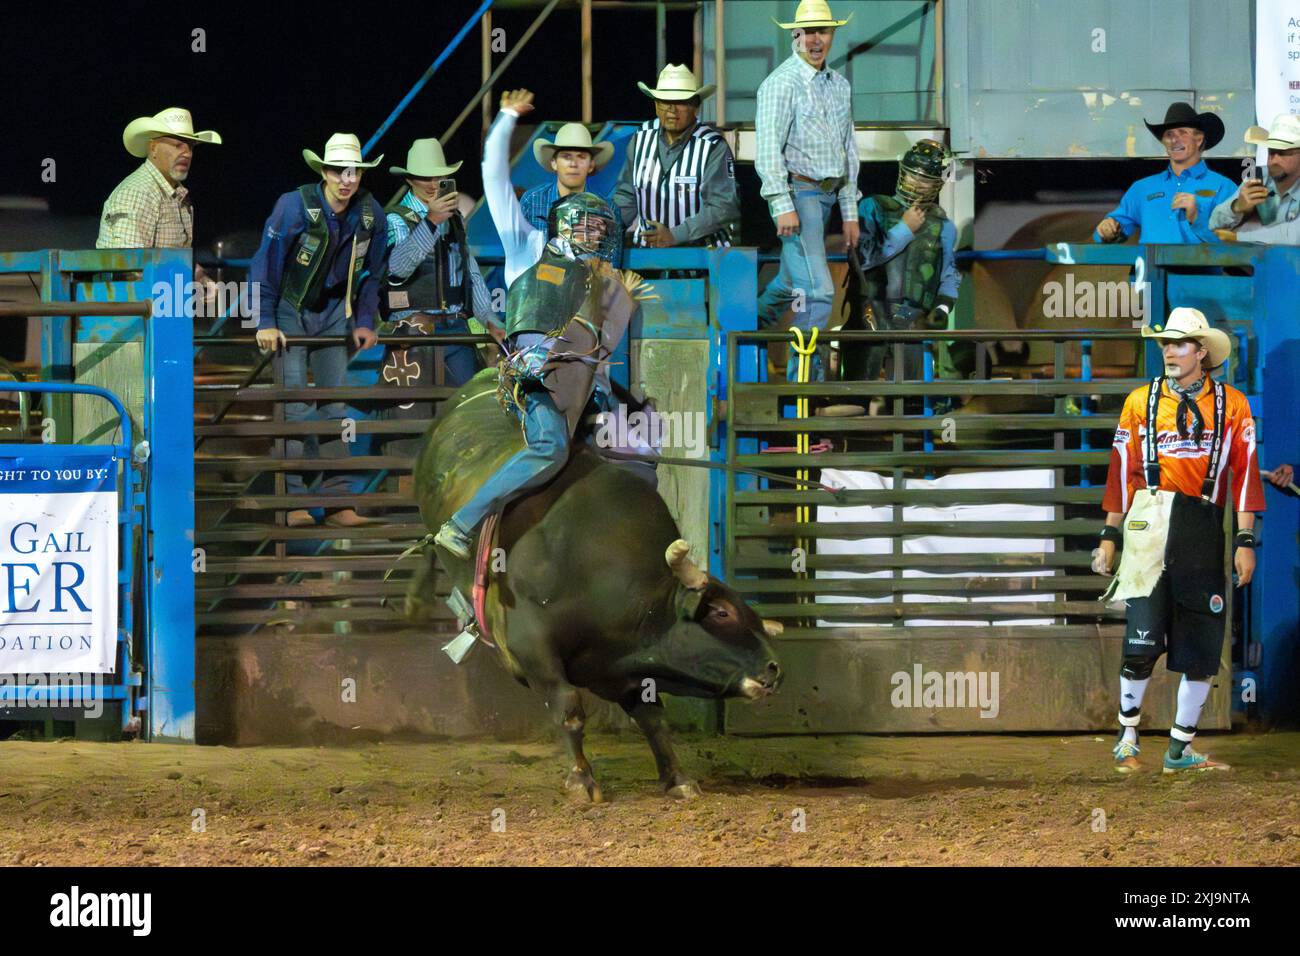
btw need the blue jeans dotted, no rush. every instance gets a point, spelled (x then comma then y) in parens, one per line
(547, 434)
(804, 273)
(329, 364)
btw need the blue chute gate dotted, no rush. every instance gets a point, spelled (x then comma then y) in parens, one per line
(116, 334)
(59, 696)
(957, 539)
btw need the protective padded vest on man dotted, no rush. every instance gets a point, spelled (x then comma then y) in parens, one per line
(429, 288)
(545, 297)
(303, 276)
(917, 270)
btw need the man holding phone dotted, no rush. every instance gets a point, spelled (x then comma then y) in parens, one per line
(434, 283)
(1267, 206)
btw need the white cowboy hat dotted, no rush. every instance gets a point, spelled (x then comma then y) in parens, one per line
(572, 136)
(812, 13)
(424, 160)
(1283, 134)
(341, 149)
(676, 83)
(172, 121)
(1185, 323)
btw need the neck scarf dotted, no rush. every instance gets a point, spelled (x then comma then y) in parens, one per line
(1188, 410)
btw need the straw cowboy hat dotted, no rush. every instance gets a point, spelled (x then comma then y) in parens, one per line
(341, 149)
(1185, 323)
(424, 160)
(1183, 114)
(812, 13)
(675, 84)
(1283, 134)
(172, 121)
(572, 136)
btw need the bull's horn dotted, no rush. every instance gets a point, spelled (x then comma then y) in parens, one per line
(773, 628)
(683, 568)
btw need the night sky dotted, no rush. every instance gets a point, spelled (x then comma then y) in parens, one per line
(272, 82)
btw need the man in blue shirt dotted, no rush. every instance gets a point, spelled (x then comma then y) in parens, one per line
(317, 273)
(1174, 206)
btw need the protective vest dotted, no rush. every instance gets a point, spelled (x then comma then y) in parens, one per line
(916, 270)
(545, 297)
(303, 275)
(673, 195)
(431, 287)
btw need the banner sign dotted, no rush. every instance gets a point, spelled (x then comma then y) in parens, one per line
(58, 563)
(1277, 60)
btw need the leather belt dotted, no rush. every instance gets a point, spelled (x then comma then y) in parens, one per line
(828, 185)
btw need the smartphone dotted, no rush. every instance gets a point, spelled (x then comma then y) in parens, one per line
(1259, 174)
(446, 187)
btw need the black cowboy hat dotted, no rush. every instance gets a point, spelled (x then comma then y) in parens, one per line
(1183, 114)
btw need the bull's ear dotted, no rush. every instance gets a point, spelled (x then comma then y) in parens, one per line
(772, 628)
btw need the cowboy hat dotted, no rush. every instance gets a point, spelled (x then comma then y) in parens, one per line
(572, 136)
(1185, 323)
(676, 83)
(424, 160)
(341, 149)
(172, 121)
(812, 13)
(1283, 134)
(1183, 114)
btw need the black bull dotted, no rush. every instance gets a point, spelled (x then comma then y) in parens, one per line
(595, 592)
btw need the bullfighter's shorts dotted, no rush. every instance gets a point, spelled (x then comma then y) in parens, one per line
(1193, 638)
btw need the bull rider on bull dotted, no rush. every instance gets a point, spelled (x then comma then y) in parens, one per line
(565, 316)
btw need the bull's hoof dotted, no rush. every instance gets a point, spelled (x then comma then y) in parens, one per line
(583, 786)
(684, 790)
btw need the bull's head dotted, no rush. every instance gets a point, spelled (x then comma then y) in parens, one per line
(716, 646)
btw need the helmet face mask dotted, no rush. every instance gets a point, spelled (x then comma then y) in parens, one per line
(920, 173)
(585, 226)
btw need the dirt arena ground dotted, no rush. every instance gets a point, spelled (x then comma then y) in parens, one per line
(863, 800)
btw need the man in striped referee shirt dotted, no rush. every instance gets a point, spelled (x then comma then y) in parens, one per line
(678, 184)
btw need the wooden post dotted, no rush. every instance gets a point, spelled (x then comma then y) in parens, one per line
(586, 61)
(486, 71)
(938, 63)
(697, 62)
(719, 61)
(661, 37)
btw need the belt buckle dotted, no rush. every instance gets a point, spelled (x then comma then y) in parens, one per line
(829, 185)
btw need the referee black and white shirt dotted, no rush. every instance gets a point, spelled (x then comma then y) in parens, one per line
(689, 186)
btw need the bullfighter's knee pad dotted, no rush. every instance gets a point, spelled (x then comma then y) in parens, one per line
(1137, 668)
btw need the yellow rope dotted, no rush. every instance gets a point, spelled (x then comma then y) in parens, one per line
(802, 513)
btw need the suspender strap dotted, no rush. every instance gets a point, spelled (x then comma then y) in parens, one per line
(1216, 445)
(1151, 463)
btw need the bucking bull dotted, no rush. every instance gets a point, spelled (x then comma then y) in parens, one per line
(597, 590)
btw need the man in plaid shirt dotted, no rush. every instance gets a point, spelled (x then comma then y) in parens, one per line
(151, 208)
(808, 162)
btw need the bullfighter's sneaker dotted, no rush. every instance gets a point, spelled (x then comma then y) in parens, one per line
(1126, 757)
(1191, 760)
(453, 539)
